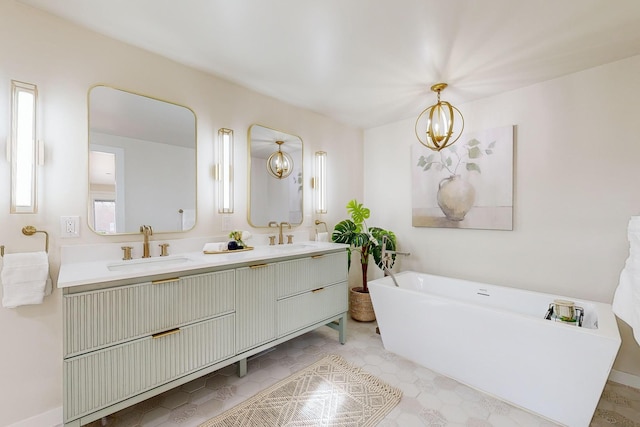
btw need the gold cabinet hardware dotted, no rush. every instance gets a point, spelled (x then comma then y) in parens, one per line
(317, 290)
(317, 256)
(258, 265)
(165, 333)
(159, 282)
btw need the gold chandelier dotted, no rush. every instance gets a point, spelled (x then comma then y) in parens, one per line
(439, 132)
(280, 164)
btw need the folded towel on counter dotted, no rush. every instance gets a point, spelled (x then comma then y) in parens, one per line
(215, 247)
(25, 279)
(626, 300)
(322, 237)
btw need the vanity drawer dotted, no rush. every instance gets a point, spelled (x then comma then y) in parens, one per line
(102, 378)
(305, 274)
(305, 309)
(97, 319)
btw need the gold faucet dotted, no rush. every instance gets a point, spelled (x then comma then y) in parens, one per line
(146, 231)
(280, 239)
(275, 224)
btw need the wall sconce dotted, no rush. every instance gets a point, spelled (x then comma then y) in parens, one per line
(438, 132)
(24, 151)
(224, 170)
(319, 183)
(279, 164)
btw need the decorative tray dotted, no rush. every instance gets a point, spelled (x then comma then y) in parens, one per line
(227, 251)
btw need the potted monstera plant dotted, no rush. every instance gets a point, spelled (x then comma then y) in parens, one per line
(367, 241)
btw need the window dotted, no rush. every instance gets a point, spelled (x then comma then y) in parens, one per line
(24, 153)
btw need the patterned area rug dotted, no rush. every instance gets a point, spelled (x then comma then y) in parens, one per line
(331, 392)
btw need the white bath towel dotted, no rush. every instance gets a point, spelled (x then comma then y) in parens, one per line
(25, 279)
(322, 236)
(214, 247)
(626, 301)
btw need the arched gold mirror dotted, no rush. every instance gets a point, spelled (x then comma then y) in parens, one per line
(275, 177)
(142, 163)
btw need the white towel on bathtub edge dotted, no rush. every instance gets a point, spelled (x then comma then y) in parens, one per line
(626, 300)
(25, 278)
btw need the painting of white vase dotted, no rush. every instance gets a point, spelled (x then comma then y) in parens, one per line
(467, 185)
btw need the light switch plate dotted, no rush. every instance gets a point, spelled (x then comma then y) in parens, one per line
(69, 226)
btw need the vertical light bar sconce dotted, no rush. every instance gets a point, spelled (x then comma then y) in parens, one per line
(24, 152)
(225, 171)
(320, 182)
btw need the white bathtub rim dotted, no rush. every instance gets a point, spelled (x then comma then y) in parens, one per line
(607, 325)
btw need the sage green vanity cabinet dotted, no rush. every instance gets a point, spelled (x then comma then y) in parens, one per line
(255, 305)
(128, 341)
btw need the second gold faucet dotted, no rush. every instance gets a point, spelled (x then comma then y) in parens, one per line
(146, 231)
(280, 237)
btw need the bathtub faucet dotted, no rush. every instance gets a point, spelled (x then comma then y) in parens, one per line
(386, 256)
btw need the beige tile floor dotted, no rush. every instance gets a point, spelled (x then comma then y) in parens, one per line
(429, 399)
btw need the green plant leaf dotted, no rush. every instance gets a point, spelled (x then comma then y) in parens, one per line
(475, 152)
(473, 142)
(473, 167)
(357, 211)
(376, 251)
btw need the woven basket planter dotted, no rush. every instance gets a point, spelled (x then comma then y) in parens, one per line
(360, 306)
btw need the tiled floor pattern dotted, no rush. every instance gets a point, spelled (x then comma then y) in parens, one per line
(429, 399)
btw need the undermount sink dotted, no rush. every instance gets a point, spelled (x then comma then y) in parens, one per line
(147, 263)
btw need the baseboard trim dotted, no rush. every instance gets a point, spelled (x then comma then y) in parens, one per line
(52, 418)
(624, 378)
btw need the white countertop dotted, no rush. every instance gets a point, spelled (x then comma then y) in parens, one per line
(85, 271)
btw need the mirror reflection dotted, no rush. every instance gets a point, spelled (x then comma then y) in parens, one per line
(142, 163)
(275, 177)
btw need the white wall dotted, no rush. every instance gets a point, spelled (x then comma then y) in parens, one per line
(65, 61)
(576, 185)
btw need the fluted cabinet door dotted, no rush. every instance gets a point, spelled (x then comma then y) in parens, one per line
(255, 306)
(305, 274)
(97, 319)
(303, 310)
(101, 378)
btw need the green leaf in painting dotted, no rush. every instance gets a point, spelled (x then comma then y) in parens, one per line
(430, 158)
(422, 161)
(475, 152)
(473, 167)
(426, 168)
(473, 142)
(488, 151)
(449, 162)
(493, 144)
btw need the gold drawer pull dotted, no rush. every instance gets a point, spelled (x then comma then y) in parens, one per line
(317, 290)
(159, 282)
(317, 256)
(258, 265)
(166, 333)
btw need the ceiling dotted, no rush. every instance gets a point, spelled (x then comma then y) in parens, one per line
(370, 62)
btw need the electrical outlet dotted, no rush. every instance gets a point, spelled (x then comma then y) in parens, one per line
(69, 226)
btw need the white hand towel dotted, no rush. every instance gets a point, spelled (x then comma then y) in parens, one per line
(626, 301)
(25, 278)
(322, 237)
(214, 247)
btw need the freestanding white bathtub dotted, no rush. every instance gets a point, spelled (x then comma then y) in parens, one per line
(496, 339)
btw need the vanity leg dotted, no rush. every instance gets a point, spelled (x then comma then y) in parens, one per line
(342, 333)
(242, 367)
